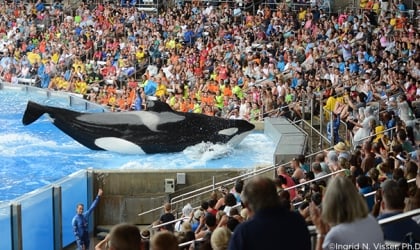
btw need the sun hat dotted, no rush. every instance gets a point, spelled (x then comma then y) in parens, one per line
(340, 147)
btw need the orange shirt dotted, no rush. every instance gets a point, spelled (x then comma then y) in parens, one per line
(43, 46)
(131, 97)
(183, 107)
(190, 106)
(104, 100)
(227, 92)
(213, 88)
(121, 104)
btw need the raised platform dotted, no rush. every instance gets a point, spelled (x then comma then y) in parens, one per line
(290, 140)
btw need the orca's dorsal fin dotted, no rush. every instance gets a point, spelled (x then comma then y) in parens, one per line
(158, 106)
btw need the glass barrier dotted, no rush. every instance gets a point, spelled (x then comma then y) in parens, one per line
(5, 229)
(38, 215)
(37, 219)
(74, 190)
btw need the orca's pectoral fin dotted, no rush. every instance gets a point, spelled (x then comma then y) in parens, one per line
(32, 113)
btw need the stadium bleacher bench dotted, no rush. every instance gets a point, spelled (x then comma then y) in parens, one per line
(147, 9)
(28, 81)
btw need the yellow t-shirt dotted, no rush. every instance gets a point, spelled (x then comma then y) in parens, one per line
(301, 15)
(393, 22)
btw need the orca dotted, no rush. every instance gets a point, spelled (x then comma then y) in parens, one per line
(156, 130)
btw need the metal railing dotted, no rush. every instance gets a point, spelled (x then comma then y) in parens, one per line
(313, 233)
(238, 205)
(316, 179)
(374, 192)
(399, 217)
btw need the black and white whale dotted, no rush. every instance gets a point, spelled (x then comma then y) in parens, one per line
(157, 130)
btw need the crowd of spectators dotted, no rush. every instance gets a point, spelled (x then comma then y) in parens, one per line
(216, 59)
(361, 67)
(344, 206)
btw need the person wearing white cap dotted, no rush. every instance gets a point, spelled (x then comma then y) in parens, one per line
(186, 213)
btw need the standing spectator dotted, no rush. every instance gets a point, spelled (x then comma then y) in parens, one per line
(262, 230)
(167, 216)
(80, 223)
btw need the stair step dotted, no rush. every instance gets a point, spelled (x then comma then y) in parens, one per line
(103, 228)
(101, 235)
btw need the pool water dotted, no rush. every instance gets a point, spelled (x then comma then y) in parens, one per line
(38, 154)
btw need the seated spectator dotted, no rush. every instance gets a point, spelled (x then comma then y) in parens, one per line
(186, 213)
(164, 241)
(393, 204)
(206, 227)
(287, 181)
(344, 218)
(230, 201)
(195, 220)
(220, 238)
(365, 187)
(237, 190)
(262, 230)
(317, 169)
(121, 237)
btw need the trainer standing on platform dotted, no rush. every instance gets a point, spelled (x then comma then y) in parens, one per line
(80, 223)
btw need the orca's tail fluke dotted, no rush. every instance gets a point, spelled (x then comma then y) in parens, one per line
(32, 113)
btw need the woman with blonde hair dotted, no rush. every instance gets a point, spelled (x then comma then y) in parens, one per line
(219, 239)
(344, 219)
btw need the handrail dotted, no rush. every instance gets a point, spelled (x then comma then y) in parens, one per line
(190, 242)
(316, 131)
(150, 211)
(170, 222)
(382, 132)
(346, 130)
(316, 179)
(223, 182)
(204, 189)
(312, 228)
(374, 192)
(399, 216)
(301, 129)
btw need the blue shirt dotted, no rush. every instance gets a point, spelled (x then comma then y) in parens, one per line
(370, 200)
(281, 65)
(150, 88)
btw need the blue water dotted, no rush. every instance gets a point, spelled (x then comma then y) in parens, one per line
(38, 154)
